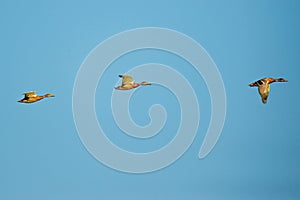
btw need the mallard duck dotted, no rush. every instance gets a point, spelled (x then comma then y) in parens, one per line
(31, 97)
(264, 86)
(128, 83)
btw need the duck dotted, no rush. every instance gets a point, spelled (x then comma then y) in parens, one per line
(264, 87)
(128, 83)
(31, 97)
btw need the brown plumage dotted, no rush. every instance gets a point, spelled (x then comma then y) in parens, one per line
(31, 97)
(264, 86)
(128, 83)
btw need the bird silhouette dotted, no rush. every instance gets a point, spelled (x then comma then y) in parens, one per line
(128, 83)
(264, 86)
(31, 97)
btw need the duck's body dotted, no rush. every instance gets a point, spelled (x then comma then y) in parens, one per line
(31, 97)
(264, 86)
(128, 83)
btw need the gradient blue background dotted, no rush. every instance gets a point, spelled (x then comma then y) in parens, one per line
(43, 44)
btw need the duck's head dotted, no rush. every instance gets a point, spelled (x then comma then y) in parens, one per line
(281, 80)
(145, 83)
(49, 95)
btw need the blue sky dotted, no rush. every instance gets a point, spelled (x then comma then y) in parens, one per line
(43, 46)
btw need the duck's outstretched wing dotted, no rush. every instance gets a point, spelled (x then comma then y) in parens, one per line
(258, 83)
(30, 94)
(264, 91)
(126, 79)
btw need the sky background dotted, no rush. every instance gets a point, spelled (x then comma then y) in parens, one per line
(43, 44)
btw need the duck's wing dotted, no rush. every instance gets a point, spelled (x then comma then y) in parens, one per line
(126, 79)
(30, 94)
(264, 91)
(258, 83)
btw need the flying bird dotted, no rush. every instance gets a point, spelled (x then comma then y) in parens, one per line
(31, 97)
(264, 86)
(128, 83)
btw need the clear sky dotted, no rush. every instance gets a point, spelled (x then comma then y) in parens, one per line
(44, 43)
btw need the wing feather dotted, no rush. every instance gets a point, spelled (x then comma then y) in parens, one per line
(30, 94)
(126, 79)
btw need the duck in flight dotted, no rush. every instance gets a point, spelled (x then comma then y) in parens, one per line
(31, 97)
(128, 83)
(264, 86)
